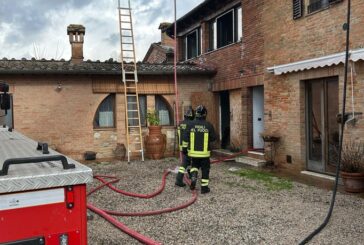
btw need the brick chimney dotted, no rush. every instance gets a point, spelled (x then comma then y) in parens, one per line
(165, 39)
(76, 33)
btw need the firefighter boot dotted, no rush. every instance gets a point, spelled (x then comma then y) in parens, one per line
(193, 180)
(189, 173)
(179, 180)
(205, 189)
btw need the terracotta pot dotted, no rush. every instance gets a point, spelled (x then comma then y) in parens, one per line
(155, 143)
(353, 182)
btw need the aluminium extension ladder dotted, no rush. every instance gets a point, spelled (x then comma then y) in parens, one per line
(130, 79)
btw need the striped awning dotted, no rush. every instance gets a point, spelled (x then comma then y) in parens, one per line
(329, 60)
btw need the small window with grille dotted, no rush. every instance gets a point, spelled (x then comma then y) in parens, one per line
(316, 5)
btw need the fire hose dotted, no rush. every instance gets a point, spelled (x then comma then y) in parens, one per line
(106, 214)
(122, 227)
(232, 156)
(147, 196)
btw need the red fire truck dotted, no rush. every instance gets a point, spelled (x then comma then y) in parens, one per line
(42, 192)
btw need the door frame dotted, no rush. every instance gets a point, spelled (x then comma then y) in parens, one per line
(312, 165)
(252, 114)
(225, 94)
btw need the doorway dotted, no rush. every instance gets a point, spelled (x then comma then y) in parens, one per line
(322, 129)
(258, 116)
(7, 119)
(225, 119)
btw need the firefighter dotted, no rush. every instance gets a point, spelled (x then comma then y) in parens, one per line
(200, 134)
(186, 161)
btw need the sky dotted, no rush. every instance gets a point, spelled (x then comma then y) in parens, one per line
(38, 28)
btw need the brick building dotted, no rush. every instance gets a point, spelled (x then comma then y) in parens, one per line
(279, 71)
(163, 51)
(79, 106)
(213, 35)
(304, 82)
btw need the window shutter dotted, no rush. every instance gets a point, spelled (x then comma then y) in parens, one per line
(297, 9)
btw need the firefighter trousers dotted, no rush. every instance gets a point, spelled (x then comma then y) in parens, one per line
(204, 164)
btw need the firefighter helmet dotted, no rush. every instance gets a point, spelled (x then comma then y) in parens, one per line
(201, 112)
(189, 114)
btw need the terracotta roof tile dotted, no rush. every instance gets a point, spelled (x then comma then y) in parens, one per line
(108, 67)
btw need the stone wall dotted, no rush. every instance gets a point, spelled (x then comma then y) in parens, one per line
(105, 143)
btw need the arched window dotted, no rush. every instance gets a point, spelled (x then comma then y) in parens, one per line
(105, 114)
(164, 111)
(133, 115)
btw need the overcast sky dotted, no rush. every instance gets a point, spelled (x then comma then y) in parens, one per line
(29, 25)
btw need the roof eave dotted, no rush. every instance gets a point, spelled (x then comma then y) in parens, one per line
(42, 72)
(170, 30)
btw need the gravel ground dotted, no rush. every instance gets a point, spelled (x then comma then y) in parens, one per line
(236, 211)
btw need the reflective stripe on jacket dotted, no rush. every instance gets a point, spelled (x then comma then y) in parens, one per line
(195, 149)
(181, 128)
(199, 135)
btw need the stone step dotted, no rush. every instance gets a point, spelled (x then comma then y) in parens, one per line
(256, 154)
(250, 161)
(221, 153)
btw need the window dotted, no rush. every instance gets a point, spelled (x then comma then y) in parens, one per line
(162, 108)
(143, 110)
(164, 111)
(133, 114)
(105, 114)
(193, 44)
(315, 5)
(8, 118)
(312, 6)
(226, 28)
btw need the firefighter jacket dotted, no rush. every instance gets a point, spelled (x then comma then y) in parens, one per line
(199, 135)
(182, 141)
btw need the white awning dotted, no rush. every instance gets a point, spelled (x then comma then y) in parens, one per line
(329, 60)
(357, 55)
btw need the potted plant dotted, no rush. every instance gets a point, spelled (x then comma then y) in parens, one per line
(155, 141)
(352, 166)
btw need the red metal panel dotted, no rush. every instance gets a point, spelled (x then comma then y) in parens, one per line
(48, 221)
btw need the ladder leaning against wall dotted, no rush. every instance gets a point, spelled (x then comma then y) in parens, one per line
(129, 72)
